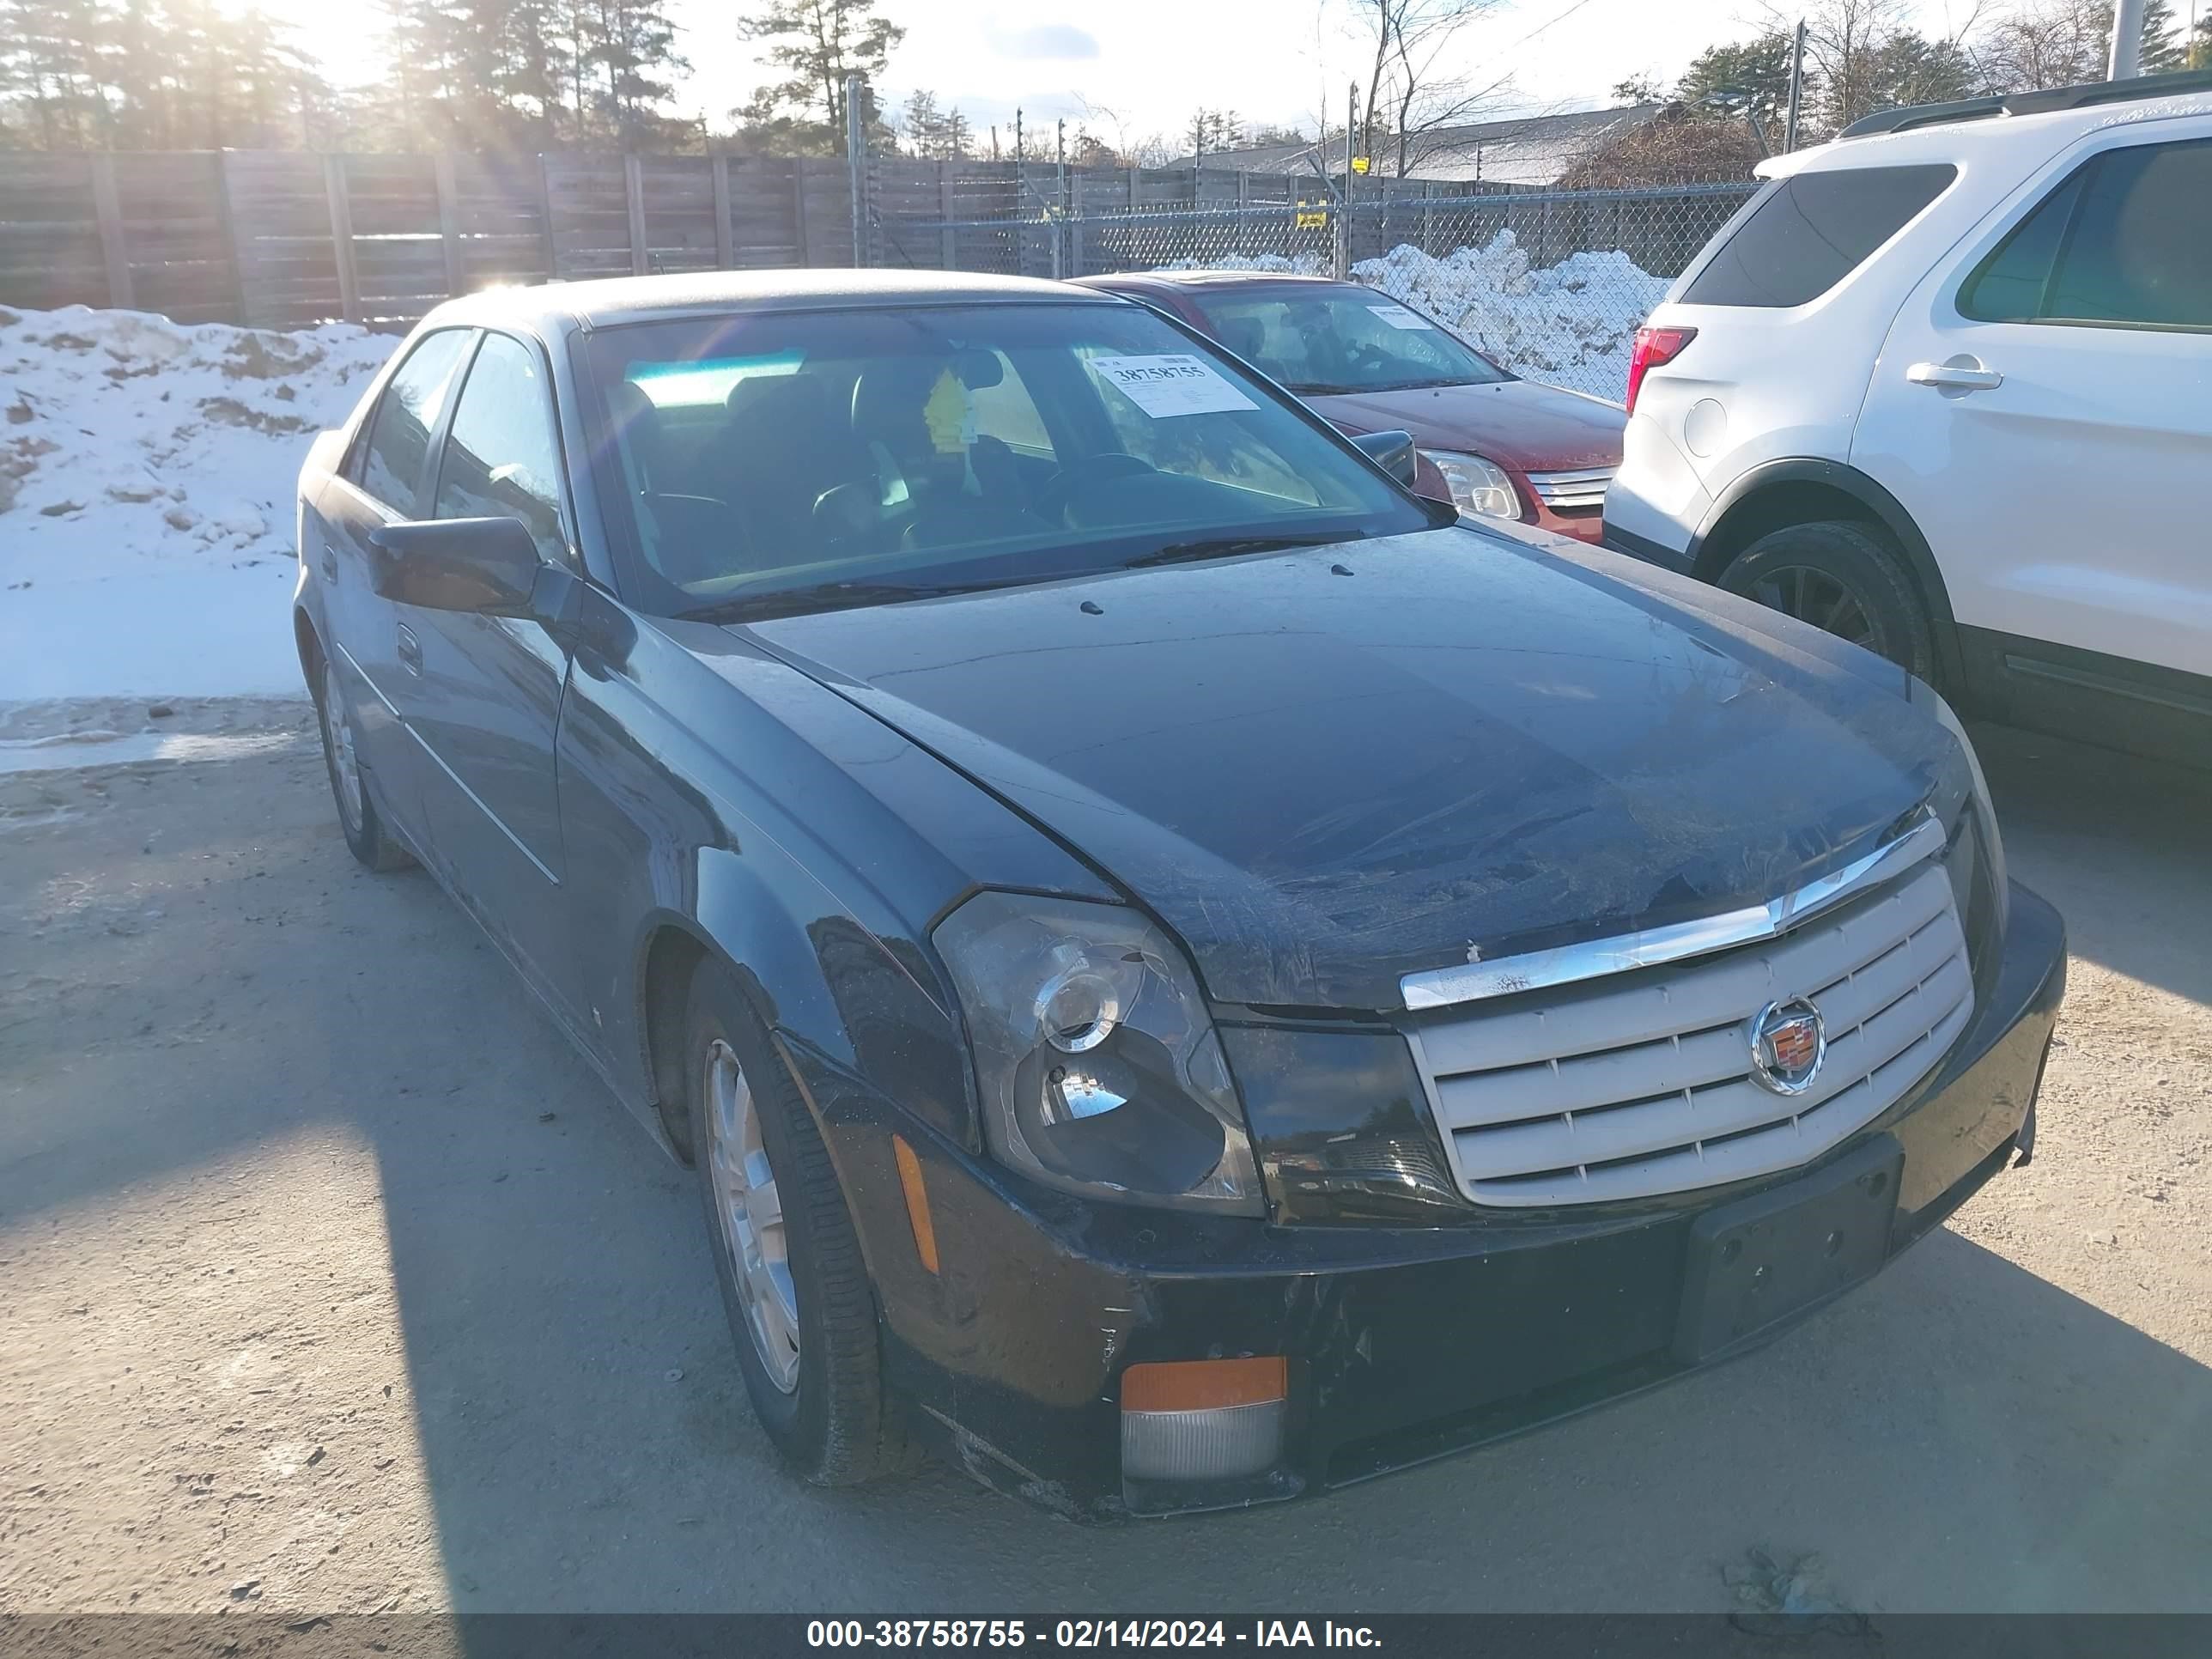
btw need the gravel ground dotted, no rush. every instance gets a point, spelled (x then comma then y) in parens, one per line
(331, 1281)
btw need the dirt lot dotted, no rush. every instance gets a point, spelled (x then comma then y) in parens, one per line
(329, 1281)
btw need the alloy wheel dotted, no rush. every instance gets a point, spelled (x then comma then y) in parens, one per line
(749, 1212)
(338, 737)
(1818, 598)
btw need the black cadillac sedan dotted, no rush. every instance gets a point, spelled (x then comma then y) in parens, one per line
(1188, 974)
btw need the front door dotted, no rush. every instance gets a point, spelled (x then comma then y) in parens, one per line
(487, 702)
(2043, 410)
(385, 479)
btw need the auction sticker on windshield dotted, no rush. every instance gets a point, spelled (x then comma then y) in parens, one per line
(1399, 317)
(1171, 384)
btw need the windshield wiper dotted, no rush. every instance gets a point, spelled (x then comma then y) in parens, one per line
(832, 596)
(1223, 547)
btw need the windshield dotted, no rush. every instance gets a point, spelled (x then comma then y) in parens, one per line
(1319, 340)
(777, 461)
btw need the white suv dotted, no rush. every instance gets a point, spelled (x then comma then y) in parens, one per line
(1944, 386)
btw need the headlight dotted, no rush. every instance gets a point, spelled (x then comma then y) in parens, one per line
(1097, 1063)
(1478, 485)
(1925, 696)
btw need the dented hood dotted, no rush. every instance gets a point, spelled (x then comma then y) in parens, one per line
(1328, 768)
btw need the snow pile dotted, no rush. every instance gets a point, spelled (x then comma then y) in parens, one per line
(147, 473)
(1297, 264)
(1571, 324)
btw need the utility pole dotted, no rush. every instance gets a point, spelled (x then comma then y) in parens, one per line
(1059, 194)
(2127, 41)
(1343, 203)
(1796, 88)
(856, 168)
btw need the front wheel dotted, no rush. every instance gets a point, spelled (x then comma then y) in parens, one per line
(1845, 578)
(788, 1260)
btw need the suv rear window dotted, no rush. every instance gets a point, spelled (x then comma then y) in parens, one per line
(1811, 231)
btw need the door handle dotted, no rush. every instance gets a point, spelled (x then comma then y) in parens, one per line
(1957, 374)
(329, 565)
(411, 650)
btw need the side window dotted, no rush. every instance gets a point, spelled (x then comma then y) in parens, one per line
(2011, 283)
(400, 432)
(501, 457)
(2141, 248)
(2125, 240)
(1811, 232)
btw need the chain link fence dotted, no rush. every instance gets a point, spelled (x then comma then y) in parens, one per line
(1551, 281)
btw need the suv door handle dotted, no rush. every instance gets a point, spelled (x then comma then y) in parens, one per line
(411, 650)
(329, 565)
(1958, 375)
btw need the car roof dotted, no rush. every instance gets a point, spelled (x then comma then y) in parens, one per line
(603, 302)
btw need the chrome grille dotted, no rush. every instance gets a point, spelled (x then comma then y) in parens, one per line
(1572, 492)
(1642, 1084)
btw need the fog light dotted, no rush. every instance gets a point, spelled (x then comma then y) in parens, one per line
(1207, 1419)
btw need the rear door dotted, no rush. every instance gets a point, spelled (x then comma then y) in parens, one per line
(487, 699)
(385, 479)
(2043, 409)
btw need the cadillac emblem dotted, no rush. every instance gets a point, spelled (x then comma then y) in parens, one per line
(1788, 1043)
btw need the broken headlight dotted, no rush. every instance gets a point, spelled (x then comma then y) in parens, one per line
(1096, 1064)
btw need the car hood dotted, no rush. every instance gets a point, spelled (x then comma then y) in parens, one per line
(1517, 423)
(1328, 768)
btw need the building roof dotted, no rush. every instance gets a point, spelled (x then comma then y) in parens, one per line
(1529, 149)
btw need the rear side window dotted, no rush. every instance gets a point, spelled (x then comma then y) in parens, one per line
(2125, 240)
(502, 460)
(1811, 232)
(400, 437)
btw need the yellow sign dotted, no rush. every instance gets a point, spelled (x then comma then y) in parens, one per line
(1312, 215)
(1360, 164)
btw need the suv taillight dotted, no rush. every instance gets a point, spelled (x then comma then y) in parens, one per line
(1655, 348)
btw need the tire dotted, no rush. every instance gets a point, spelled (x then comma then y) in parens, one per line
(826, 1408)
(366, 837)
(1845, 578)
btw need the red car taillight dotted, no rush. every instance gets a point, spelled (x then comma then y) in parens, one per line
(1655, 348)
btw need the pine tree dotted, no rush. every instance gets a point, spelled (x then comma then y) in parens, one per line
(815, 43)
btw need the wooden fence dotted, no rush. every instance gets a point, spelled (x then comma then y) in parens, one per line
(277, 239)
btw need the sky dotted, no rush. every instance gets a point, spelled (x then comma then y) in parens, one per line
(1135, 68)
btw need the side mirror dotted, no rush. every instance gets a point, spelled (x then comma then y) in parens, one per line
(488, 566)
(1392, 450)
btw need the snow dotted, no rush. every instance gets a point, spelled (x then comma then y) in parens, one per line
(1570, 325)
(146, 498)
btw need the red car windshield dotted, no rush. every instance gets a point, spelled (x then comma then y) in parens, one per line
(1318, 340)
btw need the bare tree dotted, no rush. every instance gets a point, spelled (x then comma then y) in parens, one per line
(2065, 43)
(1410, 92)
(1866, 55)
(1135, 149)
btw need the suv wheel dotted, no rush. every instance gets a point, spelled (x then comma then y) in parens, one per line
(799, 1298)
(1845, 578)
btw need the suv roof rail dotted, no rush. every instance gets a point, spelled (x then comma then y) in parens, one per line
(2029, 103)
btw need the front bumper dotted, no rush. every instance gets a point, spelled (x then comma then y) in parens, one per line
(1402, 1344)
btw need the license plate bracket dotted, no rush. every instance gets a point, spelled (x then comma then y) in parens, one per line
(1756, 1263)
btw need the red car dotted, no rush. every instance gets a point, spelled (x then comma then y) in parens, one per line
(1491, 441)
